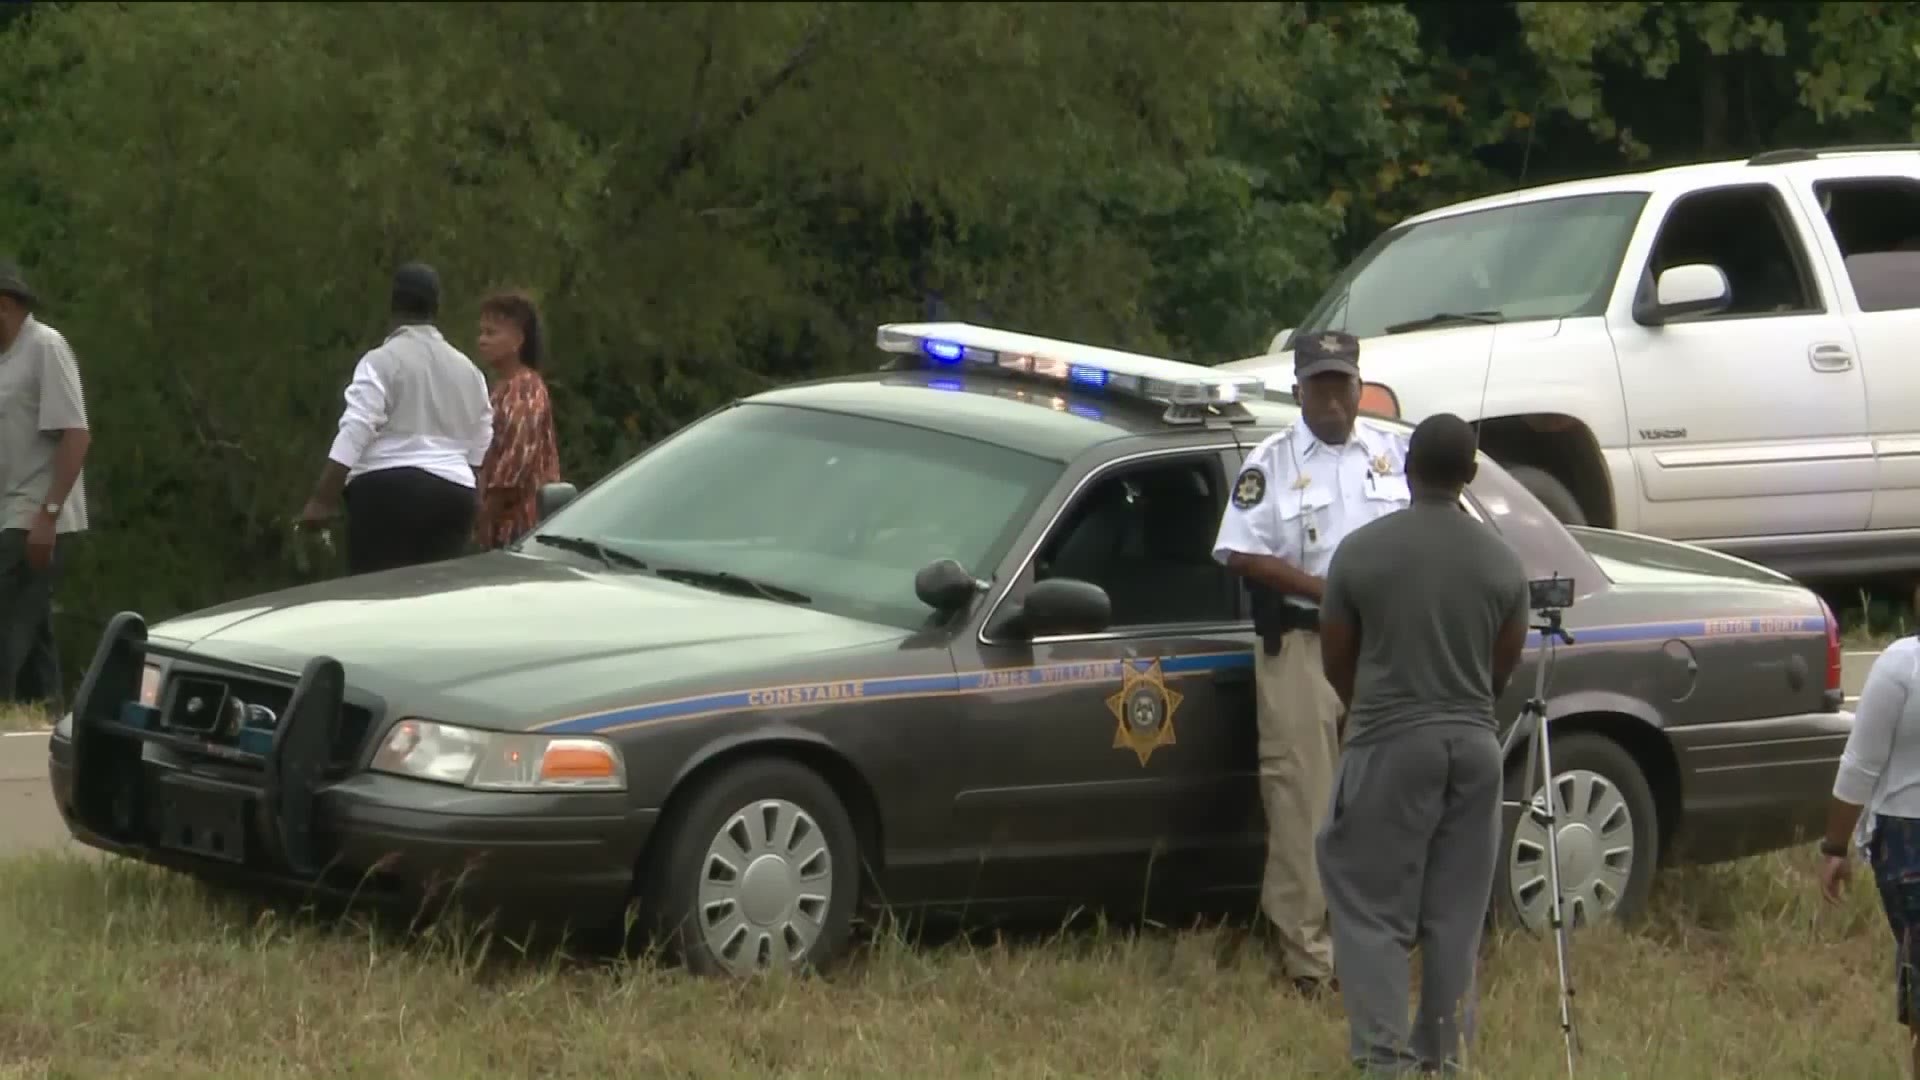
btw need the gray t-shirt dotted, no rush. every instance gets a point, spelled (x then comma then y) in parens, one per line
(40, 397)
(1427, 590)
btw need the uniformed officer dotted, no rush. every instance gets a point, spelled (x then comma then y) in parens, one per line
(1300, 492)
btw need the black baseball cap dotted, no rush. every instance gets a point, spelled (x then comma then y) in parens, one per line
(416, 287)
(1324, 352)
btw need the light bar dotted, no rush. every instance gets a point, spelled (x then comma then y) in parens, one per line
(1173, 383)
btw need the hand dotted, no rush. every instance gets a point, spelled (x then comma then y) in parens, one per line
(40, 537)
(315, 514)
(1834, 871)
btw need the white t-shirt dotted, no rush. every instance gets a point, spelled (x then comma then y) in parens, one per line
(1880, 767)
(418, 402)
(40, 397)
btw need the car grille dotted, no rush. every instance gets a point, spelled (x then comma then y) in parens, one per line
(196, 703)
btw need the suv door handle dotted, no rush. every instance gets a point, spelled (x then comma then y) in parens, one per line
(1830, 357)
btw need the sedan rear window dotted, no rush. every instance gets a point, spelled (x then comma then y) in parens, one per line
(841, 509)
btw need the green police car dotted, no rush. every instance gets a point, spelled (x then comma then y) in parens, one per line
(947, 634)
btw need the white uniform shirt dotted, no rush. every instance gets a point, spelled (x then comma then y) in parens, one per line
(415, 401)
(1880, 767)
(1296, 497)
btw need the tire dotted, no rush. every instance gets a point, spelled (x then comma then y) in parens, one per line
(729, 901)
(1591, 769)
(1551, 493)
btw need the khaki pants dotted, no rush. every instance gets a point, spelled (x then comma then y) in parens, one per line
(1299, 742)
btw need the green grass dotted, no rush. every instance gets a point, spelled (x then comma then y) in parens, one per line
(118, 970)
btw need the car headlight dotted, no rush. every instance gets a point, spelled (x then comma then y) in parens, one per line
(150, 683)
(499, 761)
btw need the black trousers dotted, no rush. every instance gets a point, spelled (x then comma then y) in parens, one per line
(405, 517)
(29, 666)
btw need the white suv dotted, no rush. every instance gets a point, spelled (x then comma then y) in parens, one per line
(1727, 354)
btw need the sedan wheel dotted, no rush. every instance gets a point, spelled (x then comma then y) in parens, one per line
(1607, 832)
(760, 872)
(765, 887)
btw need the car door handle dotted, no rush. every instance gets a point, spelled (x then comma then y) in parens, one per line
(1830, 357)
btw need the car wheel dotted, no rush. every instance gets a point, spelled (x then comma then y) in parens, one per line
(1551, 492)
(1609, 833)
(760, 873)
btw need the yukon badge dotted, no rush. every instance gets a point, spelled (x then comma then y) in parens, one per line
(1650, 434)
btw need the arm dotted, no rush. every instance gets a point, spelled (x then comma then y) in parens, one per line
(485, 426)
(1276, 573)
(1339, 632)
(1883, 701)
(63, 409)
(1248, 542)
(1512, 638)
(365, 414)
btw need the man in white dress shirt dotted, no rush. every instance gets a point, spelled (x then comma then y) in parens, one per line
(417, 424)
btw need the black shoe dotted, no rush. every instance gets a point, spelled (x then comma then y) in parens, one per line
(1316, 989)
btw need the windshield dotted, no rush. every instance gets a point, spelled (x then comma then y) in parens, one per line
(842, 510)
(1632, 560)
(1551, 259)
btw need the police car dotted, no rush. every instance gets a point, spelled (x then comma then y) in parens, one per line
(944, 635)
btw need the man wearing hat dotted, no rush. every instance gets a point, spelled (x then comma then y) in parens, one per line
(416, 425)
(43, 447)
(1299, 493)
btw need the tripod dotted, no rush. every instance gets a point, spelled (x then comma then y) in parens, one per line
(1548, 815)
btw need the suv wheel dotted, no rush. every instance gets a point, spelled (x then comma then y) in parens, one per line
(1551, 492)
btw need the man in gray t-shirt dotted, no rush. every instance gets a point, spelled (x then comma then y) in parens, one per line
(1422, 623)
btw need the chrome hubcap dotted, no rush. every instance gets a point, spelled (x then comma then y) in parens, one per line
(765, 885)
(1595, 833)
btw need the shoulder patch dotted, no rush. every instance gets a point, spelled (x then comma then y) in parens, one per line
(1250, 488)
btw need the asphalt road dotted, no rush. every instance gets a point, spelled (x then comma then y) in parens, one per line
(28, 821)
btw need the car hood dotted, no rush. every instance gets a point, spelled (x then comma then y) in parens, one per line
(515, 636)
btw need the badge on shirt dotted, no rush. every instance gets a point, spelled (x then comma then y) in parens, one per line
(1250, 489)
(1382, 466)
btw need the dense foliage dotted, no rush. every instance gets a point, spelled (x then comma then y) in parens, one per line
(713, 197)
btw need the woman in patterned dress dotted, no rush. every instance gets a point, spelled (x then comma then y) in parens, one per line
(524, 454)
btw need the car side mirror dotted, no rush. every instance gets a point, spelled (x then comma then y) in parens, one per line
(552, 497)
(1690, 289)
(1280, 341)
(946, 586)
(1059, 606)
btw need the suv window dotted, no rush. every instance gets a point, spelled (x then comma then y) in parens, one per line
(1744, 231)
(1144, 533)
(1876, 222)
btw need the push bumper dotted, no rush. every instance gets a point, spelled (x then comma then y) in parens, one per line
(126, 784)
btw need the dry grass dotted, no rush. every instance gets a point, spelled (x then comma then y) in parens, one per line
(24, 718)
(117, 970)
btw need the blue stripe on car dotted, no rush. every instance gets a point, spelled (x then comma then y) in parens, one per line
(1014, 679)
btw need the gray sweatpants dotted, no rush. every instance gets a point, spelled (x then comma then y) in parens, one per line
(1407, 858)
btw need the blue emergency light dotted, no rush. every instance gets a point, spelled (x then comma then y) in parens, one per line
(1192, 393)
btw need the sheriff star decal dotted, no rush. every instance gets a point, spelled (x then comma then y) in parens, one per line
(1143, 710)
(1250, 488)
